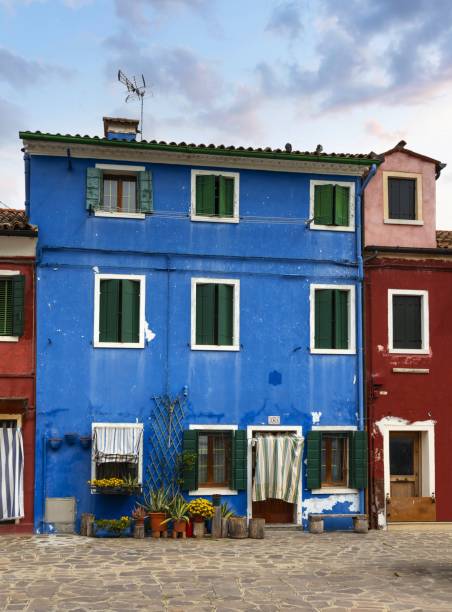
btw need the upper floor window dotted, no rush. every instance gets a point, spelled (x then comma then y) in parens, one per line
(332, 319)
(332, 205)
(215, 196)
(119, 311)
(408, 321)
(215, 314)
(11, 306)
(119, 191)
(402, 195)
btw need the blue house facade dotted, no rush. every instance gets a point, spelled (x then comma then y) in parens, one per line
(192, 301)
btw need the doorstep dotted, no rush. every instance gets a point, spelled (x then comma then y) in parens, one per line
(283, 527)
(420, 526)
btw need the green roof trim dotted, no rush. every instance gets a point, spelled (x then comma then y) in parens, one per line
(334, 158)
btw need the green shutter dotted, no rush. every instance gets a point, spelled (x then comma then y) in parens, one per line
(205, 314)
(109, 310)
(226, 197)
(341, 205)
(144, 192)
(324, 319)
(323, 204)
(6, 307)
(341, 319)
(18, 287)
(225, 314)
(205, 194)
(239, 474)
(314, 460)
(130, 311)
(190, 472)
(358, 460)
(93, 188)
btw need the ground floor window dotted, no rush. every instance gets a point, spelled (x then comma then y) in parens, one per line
(334, 460)
(214, 459)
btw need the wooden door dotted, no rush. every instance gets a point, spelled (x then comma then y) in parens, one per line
(406, 502)
(274, 511)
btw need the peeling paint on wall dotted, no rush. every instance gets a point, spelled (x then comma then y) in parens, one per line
(318, 505)
(316, 417)
(392, 420)
(380, 348)
(148, 333)
(96, 270)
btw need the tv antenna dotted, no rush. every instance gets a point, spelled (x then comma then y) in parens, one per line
(135, 91)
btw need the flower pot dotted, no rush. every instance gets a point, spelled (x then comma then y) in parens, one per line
(55, 443)
(199, 527)
(180, 526)
(85, 441)
(157, 528)
(71, 438)
(101, 532)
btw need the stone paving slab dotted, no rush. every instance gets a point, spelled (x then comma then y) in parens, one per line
(340, 572)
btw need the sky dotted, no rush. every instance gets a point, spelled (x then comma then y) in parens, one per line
(352, 75)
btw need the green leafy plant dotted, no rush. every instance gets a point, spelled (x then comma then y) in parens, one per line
(155, 500)
(226, 511)
(114, 525)
(130, 481)
(177, 510)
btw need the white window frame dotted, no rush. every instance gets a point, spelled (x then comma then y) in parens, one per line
(424, 322)
(235, 346)
(121, 169)
(337, 490)
(4, 274)
(351, 321)
(213, 490)
(135, 277)
(418, 204)
(351, 206)
(195, 217)
(140, 452)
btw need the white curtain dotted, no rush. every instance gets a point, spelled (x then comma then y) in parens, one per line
(11, 473)
(116, 444)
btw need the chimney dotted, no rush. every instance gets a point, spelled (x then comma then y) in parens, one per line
(116, 128)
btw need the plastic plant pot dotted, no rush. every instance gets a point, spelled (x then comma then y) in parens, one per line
(55, 443)
(71, 438)
(85, 441)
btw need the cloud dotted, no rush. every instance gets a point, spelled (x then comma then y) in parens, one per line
(376, 129)
(21, 73)
(11, 116)
(366, 52)
(135, 12)
(285, 20)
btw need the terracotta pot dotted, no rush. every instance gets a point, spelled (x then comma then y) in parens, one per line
(180, 526)
(157, 519)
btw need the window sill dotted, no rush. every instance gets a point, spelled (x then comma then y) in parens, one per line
(121, 345)
(214, 219)
(333, 228)
(213, 491)
(119, 215)
(9, 338)
(334, 491)
(403, 222)
(209, 347)
(408, 351)
(315, 351)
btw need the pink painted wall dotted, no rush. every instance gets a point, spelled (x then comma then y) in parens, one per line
(378, 233)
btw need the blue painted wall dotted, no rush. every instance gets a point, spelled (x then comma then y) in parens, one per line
(272, 252)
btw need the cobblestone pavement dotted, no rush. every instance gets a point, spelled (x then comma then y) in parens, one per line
(286, 571)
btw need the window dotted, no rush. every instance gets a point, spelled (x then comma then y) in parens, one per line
(336, 459)
(117, 452)
(215, 196)
(215, 314)
(119, 311)
(11, 307)
(332, 319)
(214, 459)
(402, 196)
(408, 321)
(119, 191)
(332, 205)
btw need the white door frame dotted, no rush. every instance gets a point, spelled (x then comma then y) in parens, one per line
(250, 429)
(427, 452)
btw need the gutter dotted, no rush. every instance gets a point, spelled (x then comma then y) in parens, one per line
(421, 250)
(198, 150)
(359, 308)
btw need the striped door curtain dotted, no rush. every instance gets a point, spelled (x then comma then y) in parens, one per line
(11, 473)
(117, 444)
(278, 467)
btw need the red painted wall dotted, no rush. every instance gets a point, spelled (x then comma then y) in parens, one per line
(415, 397)
(17, 379)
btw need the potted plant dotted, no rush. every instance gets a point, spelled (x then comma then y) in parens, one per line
(156, 505)
(113, 528)
(115, 486)
(178, 514)
(200, 510)
(138, 514)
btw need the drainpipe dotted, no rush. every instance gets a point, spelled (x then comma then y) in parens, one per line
(27, 182)
(359, 308)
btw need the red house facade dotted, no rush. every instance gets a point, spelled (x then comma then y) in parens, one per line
(408, 301)
(17, 371)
